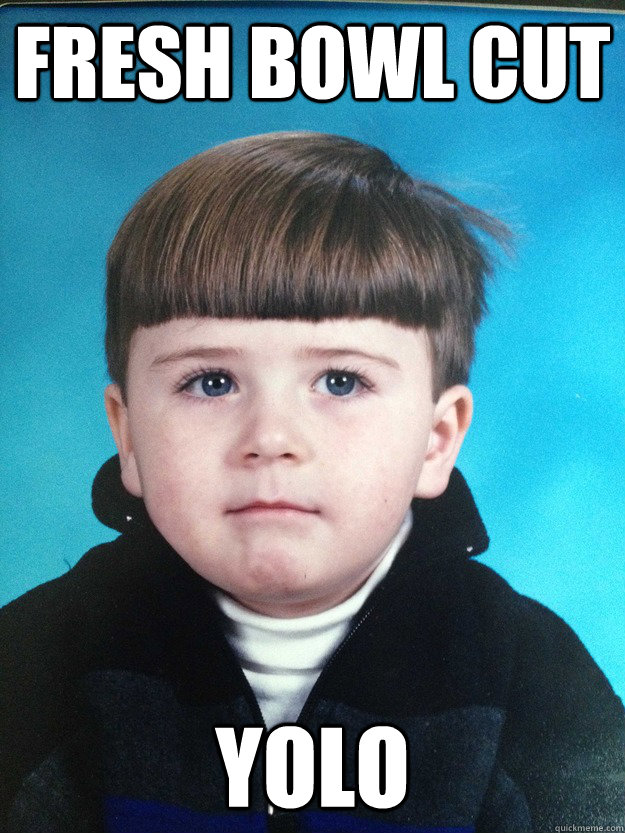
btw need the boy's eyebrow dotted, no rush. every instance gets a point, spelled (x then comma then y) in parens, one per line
(344, 352)
(305, 352)
(197, 353)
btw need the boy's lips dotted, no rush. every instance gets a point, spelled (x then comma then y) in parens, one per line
(269, 506)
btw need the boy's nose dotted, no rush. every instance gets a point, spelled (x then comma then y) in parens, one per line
(274, 430)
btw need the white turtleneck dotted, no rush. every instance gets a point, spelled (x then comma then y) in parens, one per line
(282, 658)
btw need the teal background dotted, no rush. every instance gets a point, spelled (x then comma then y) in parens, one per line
(546, 454)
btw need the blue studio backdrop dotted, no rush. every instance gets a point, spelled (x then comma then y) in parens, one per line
(545, 456)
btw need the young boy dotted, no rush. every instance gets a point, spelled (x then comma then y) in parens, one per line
(290, 330)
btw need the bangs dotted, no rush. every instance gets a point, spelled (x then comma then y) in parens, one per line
(293, 226)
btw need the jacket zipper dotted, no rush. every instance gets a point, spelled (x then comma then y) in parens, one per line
(311, 695)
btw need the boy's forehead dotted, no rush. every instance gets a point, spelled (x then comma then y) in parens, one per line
(180, 338)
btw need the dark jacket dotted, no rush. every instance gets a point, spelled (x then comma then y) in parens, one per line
(115, 674)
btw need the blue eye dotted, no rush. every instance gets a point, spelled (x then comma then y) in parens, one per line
(211, 383)
(208, 383)
(340, 382)
(216, 384)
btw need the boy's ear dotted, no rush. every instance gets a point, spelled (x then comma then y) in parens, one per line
(117, 413)
(451, 420)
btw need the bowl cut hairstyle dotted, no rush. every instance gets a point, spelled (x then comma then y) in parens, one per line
(303, 226)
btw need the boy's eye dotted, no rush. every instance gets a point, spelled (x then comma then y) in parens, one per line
(340, 383)
(214, 383)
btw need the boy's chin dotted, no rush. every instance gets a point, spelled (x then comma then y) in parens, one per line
(279, 578)
(278, 587)
(276, 580)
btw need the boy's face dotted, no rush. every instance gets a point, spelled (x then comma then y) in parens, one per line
(278, 458)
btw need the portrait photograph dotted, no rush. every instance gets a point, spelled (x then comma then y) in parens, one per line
(272, 246)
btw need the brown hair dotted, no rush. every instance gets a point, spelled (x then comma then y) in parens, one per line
(301, 226)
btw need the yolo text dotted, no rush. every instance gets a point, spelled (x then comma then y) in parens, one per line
(296, 771)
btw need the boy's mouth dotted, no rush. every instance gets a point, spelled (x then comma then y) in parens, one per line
(263, 506)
